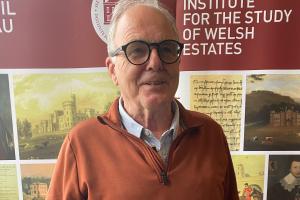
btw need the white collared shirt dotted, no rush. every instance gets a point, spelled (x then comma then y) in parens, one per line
(163, 144)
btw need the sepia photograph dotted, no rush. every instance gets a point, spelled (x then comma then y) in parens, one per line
(272, 114)
(35, 180)
(7, 151)
(49, 105)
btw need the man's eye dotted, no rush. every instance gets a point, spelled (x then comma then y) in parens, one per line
(138, 51)
(167, 50)
(135, 52)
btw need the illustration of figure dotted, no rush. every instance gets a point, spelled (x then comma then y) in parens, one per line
(257, 193)
(247, 192)
(288, 188)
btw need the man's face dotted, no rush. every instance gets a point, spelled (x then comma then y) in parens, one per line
(295, 168)
(153, 83)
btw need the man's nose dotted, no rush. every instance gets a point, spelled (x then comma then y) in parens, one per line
(154, 61)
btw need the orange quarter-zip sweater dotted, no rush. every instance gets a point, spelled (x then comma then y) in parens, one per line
(99, 160)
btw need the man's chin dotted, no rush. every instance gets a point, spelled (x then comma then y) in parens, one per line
(155, 101)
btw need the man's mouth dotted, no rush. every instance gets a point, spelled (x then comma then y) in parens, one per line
(154, 82)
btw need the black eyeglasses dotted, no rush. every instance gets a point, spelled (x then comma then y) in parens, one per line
(138, 52)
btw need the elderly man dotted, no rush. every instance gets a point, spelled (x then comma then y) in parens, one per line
(147, 146)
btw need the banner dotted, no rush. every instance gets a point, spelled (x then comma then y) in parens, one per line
(239, 35)
(240, 65)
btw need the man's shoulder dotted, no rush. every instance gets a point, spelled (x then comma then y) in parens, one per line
(86, 127)
(87, 123)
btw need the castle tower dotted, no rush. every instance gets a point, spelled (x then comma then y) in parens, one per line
(69, 108)
(73, 99)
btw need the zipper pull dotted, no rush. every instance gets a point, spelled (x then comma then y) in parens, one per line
(164, 177)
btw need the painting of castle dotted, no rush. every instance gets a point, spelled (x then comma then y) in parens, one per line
(48, 106)
(286, 118)
(64, 119)
(35, 180)
(272, 112)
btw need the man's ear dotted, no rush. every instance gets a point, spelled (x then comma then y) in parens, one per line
(111, 69)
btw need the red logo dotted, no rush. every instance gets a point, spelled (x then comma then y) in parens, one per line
(108, 7)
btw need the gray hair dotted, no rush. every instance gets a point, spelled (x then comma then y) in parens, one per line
(123, 5)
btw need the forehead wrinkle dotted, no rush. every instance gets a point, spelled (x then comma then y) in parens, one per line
(131, 34)
(130, 27)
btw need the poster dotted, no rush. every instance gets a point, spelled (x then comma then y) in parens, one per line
(240, 65)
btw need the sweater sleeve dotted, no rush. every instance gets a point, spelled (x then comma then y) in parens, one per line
(65, 182)
(230, 185)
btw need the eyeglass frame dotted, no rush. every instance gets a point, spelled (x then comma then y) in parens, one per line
(149, 45)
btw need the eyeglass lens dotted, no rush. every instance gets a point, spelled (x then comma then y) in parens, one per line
(138, 52)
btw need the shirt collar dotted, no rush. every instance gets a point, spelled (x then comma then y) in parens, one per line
(128, 122)
(175, 121)
(135, 128)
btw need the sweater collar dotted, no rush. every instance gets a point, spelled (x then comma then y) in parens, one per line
(187, 118)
